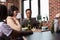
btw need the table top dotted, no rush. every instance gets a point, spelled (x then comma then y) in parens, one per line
(43, 36)
(29, 32)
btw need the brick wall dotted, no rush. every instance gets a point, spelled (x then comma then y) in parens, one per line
(54, 8)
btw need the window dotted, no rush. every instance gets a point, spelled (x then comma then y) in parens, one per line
(44, 4)
(2, 0)
(34, 8)
(26, 6)
(38, 7)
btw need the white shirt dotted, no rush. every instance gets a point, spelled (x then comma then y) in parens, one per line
(5, 29)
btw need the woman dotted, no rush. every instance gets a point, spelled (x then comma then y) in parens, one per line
(13, 22)
(5, 30)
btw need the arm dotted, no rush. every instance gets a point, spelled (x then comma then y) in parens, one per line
(5, 29)
(12, 24)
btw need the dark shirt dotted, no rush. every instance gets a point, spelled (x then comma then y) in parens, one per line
(33, 22)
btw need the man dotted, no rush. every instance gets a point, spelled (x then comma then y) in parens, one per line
(29, 20)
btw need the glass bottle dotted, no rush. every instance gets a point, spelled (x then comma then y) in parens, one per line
(39, 18)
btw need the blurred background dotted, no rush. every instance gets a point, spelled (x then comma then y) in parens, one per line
(43, 10)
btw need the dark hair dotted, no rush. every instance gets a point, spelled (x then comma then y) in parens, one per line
(28, 9)
(11, 10)
(3, 12)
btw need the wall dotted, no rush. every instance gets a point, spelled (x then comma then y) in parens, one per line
(8, 3)
(54, 8)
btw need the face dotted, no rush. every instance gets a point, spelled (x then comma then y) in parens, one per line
(28, 13)
(15, 13)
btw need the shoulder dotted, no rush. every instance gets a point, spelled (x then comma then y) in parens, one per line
(2, 24)
(9, 17)
(25, 19)
(6, 30)
(33, 19)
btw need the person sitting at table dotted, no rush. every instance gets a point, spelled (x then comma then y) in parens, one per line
(12, 20)
(5, 30)
(29, 20)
